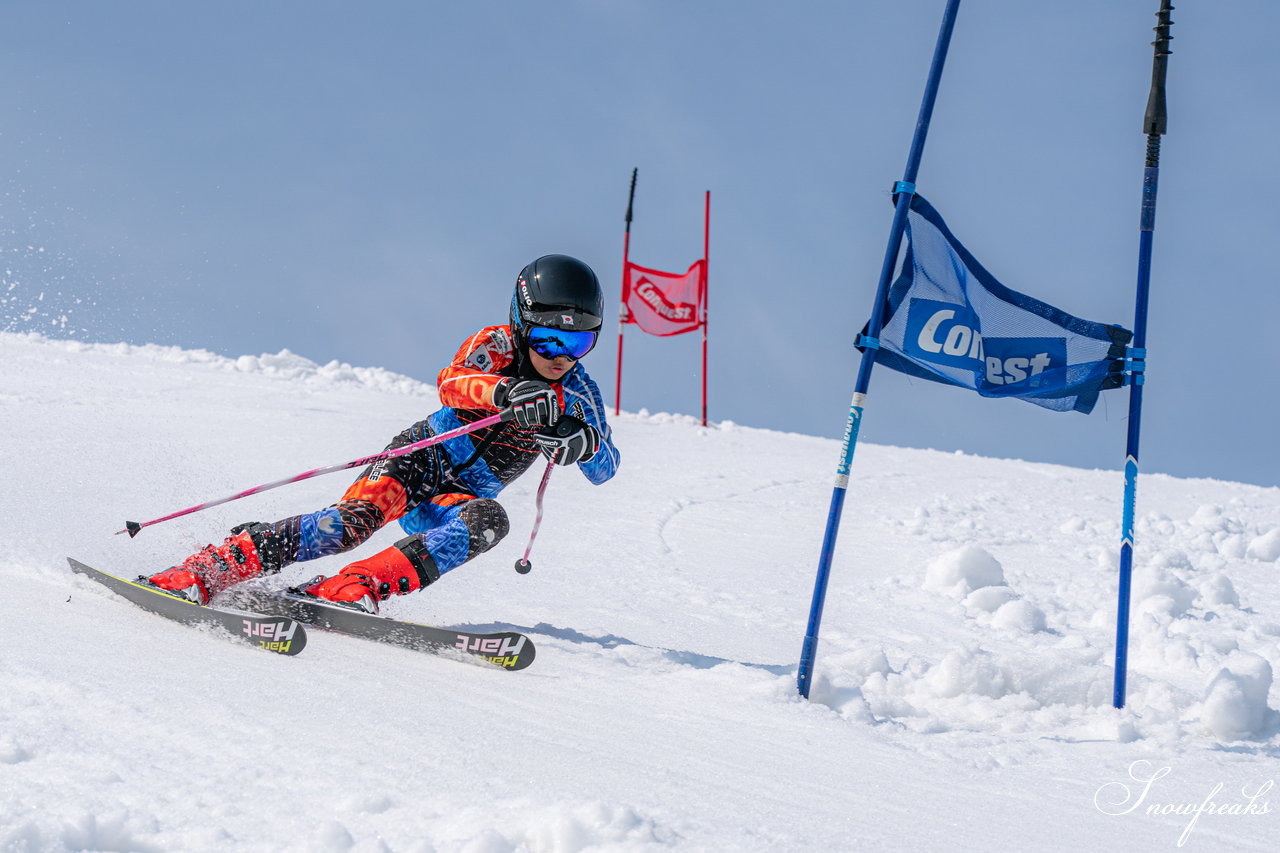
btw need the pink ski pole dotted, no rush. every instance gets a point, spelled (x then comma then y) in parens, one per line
(133, 528)
(522, 564)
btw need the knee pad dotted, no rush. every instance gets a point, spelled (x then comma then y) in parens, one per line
(486, 523)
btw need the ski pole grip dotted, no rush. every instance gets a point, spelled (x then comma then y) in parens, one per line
(1155, 121)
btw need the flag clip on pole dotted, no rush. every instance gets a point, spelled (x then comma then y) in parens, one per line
(903, 190)
(1153, 125)
(622, 306)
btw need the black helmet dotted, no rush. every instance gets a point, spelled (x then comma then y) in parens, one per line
(556, 292)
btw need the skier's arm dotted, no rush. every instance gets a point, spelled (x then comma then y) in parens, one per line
(582, 400)
(468, 381)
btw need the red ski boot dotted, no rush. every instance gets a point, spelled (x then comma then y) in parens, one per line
(251, 552)
(400, 569)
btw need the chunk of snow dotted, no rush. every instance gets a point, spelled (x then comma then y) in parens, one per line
(1235, 703)
(962, 673)
(989, 598)
(1218, 590)
(1019, 616)
(1174, 595)
(1266, 547)
(961, 571)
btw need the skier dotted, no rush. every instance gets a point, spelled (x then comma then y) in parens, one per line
(443, 495)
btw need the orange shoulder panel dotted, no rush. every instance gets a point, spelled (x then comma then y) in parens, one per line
(469, 380)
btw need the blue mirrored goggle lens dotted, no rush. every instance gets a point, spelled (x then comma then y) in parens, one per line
(553, 343)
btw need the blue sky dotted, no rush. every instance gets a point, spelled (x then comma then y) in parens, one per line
(362, 182)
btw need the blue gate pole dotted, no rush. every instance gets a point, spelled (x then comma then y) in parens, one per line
(903, 190)
(1154, 125)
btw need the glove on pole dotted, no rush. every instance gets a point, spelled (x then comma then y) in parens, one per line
(570, 441)
(532, 403)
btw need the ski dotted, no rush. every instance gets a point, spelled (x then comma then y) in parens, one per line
(509, 650)
(275, 633)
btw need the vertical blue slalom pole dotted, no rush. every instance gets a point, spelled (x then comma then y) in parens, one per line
(1154, 125)
(903, 190)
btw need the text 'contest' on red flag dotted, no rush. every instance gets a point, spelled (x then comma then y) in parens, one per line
(664, 303)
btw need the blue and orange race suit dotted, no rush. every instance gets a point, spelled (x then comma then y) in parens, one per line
(444, 494)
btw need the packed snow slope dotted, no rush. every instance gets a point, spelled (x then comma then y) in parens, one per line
(964, 677)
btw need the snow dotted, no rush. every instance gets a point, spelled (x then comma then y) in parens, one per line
(1265, 547)
(964, 570)
(962, 699)
(1235, 705)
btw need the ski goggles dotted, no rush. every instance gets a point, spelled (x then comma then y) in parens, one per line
(553, 343)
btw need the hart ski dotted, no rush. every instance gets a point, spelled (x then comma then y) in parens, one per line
(507, 649)
(275, 633)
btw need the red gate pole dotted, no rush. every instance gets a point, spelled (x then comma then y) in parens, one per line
(706, 281)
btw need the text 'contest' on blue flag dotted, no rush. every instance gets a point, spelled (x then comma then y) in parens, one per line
(949, 320)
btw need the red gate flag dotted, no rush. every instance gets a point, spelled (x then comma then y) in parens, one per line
(664, 303)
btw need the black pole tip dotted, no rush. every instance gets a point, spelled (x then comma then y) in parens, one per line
(133, 527)
(523, 566)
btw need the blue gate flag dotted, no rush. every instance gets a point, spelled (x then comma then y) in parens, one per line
(948, 320)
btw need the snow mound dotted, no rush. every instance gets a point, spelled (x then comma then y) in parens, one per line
(119, 830)
(11, 751)
(558, 828)
(293, 367)
(1161, 591)
(969, 689)
(1266, 547)
(285, 365)
(964, 674)
(1217, 590)
(1235, 702)
(963, 570)
(989, 599)
(1019, 616)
